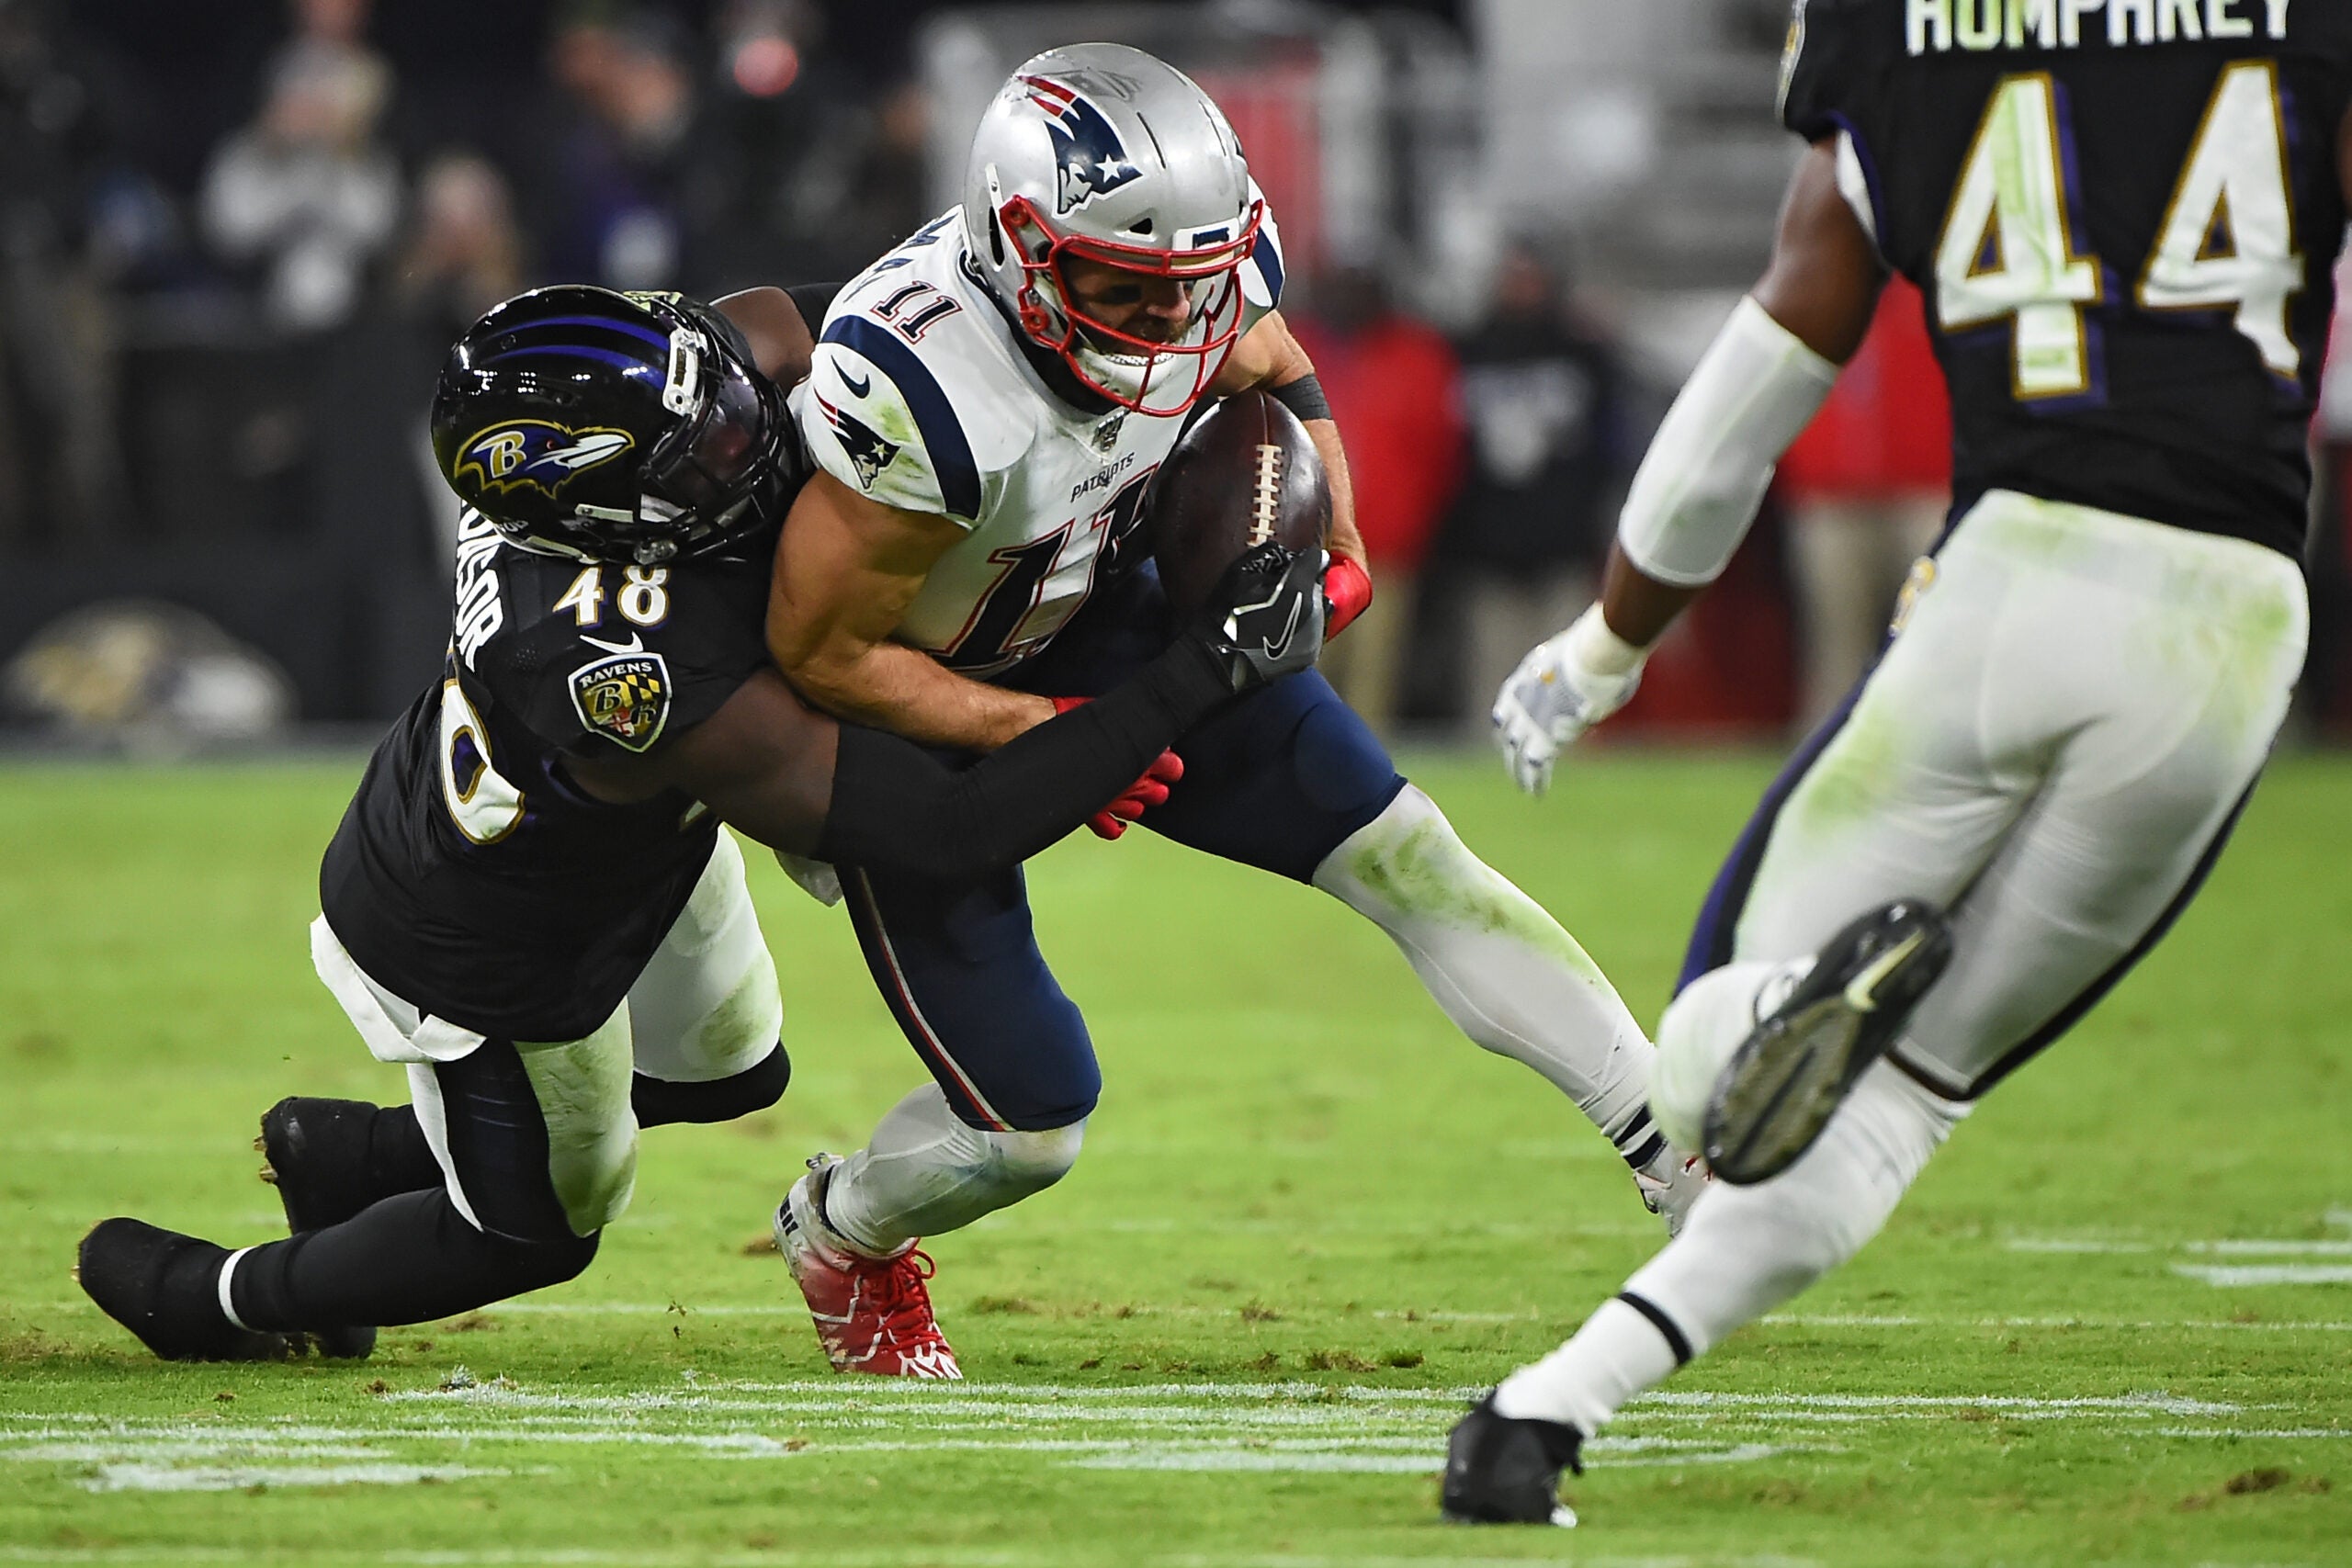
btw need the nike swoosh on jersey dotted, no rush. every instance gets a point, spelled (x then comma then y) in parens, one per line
(857, 389)
(635, 644)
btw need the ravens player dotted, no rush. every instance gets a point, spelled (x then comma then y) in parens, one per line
(530, 904)
(988, 404)
(2126, 220)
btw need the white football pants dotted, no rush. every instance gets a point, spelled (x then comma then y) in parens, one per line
(2052, 750)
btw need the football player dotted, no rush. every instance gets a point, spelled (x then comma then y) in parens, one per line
(529, 903)
(988, 406)
(2125, 219)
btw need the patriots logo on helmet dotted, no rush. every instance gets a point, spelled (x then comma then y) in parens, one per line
(1093, 161)
(868, 453)
(534, 453)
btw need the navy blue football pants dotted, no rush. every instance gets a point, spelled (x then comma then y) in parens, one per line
(1277, 779)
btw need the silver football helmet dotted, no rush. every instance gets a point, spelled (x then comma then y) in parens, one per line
(1100, 152)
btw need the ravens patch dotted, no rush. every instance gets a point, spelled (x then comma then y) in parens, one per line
(624, 698)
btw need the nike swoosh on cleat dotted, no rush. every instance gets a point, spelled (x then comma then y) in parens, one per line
(1860, 991)
(857, 389)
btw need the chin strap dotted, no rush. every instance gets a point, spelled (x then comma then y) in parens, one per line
(1347, 588)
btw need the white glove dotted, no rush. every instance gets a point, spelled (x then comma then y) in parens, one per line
(1560, 690)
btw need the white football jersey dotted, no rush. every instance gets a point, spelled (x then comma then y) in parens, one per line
(919, 396)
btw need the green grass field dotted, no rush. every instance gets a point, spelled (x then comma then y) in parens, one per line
(2113, 1322)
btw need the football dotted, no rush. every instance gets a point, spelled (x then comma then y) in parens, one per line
(1245, 473)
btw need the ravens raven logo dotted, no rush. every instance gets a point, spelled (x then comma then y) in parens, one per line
(1092, 160)
(534, 453)
(867, 452)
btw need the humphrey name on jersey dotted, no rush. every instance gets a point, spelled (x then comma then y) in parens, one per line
(1940, 26)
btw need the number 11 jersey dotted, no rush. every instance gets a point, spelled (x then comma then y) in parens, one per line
(2125, 218)
(923, 397)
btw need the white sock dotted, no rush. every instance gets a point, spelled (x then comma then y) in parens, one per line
(1501, 969)
(1703, 1027)
(1617, 1353)
(927, 1170)
(1743, 1251)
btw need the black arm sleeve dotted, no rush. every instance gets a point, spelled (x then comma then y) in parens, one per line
(895, 807)
(813, 300)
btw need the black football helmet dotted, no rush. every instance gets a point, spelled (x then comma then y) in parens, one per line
(622, 427)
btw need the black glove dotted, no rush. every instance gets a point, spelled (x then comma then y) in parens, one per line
(1264, 618)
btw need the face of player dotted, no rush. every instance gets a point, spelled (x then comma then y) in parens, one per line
(1139, 304)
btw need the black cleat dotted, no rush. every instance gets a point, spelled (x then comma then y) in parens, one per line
(1500, 1470)
(317, 1152)
(164, 1287)
(1787, 1078)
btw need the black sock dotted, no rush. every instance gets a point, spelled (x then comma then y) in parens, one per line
(410, 1259)
(399, 1159)
(659, 1103)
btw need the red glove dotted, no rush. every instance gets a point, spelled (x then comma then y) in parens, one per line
(1346, 590)
(1148, 791)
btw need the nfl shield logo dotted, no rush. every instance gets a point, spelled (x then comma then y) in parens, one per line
(624, 698)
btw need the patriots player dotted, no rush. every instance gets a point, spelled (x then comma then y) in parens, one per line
(2126, 221)
(988, 406)
(530, 904)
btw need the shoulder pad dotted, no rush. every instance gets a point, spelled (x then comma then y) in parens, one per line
(921, 429)
(624, 656)
(1837, 50)
(1261, 275)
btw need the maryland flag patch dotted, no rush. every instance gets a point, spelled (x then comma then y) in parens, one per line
(624, 698)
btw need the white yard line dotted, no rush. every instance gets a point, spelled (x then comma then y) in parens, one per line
(2121, 1324)
(236, 1478)
(2233, 1276)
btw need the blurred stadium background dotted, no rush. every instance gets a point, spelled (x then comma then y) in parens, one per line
(237, 236)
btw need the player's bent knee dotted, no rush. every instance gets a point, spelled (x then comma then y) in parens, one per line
(536, 1264)
(659, 1103)
(1703, 1030)
(1024, 1163)
(1397, 858)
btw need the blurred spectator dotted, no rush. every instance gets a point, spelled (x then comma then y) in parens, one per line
(462, 255)
(1543, 394)
(862, 184)
(61, 465)
(624, 168)
(463, 252)
(305, 192)
(1866, 486)
(1395, 390)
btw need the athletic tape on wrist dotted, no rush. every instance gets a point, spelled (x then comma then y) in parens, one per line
(1303, 397)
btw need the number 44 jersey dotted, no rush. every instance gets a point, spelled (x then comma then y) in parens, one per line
(925, 397)
(2125, 216)
(471, 876)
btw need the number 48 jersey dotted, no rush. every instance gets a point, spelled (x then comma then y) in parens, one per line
(2125, 218)
(471, 876)
(923, 397)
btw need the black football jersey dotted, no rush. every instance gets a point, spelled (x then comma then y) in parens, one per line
(2125, 218)
(470, 875)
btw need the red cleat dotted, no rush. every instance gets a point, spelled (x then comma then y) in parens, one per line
(872, 1315)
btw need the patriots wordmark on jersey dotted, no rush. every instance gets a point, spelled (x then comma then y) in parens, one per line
(470, 875)
(922, 398)
(2125, 216)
